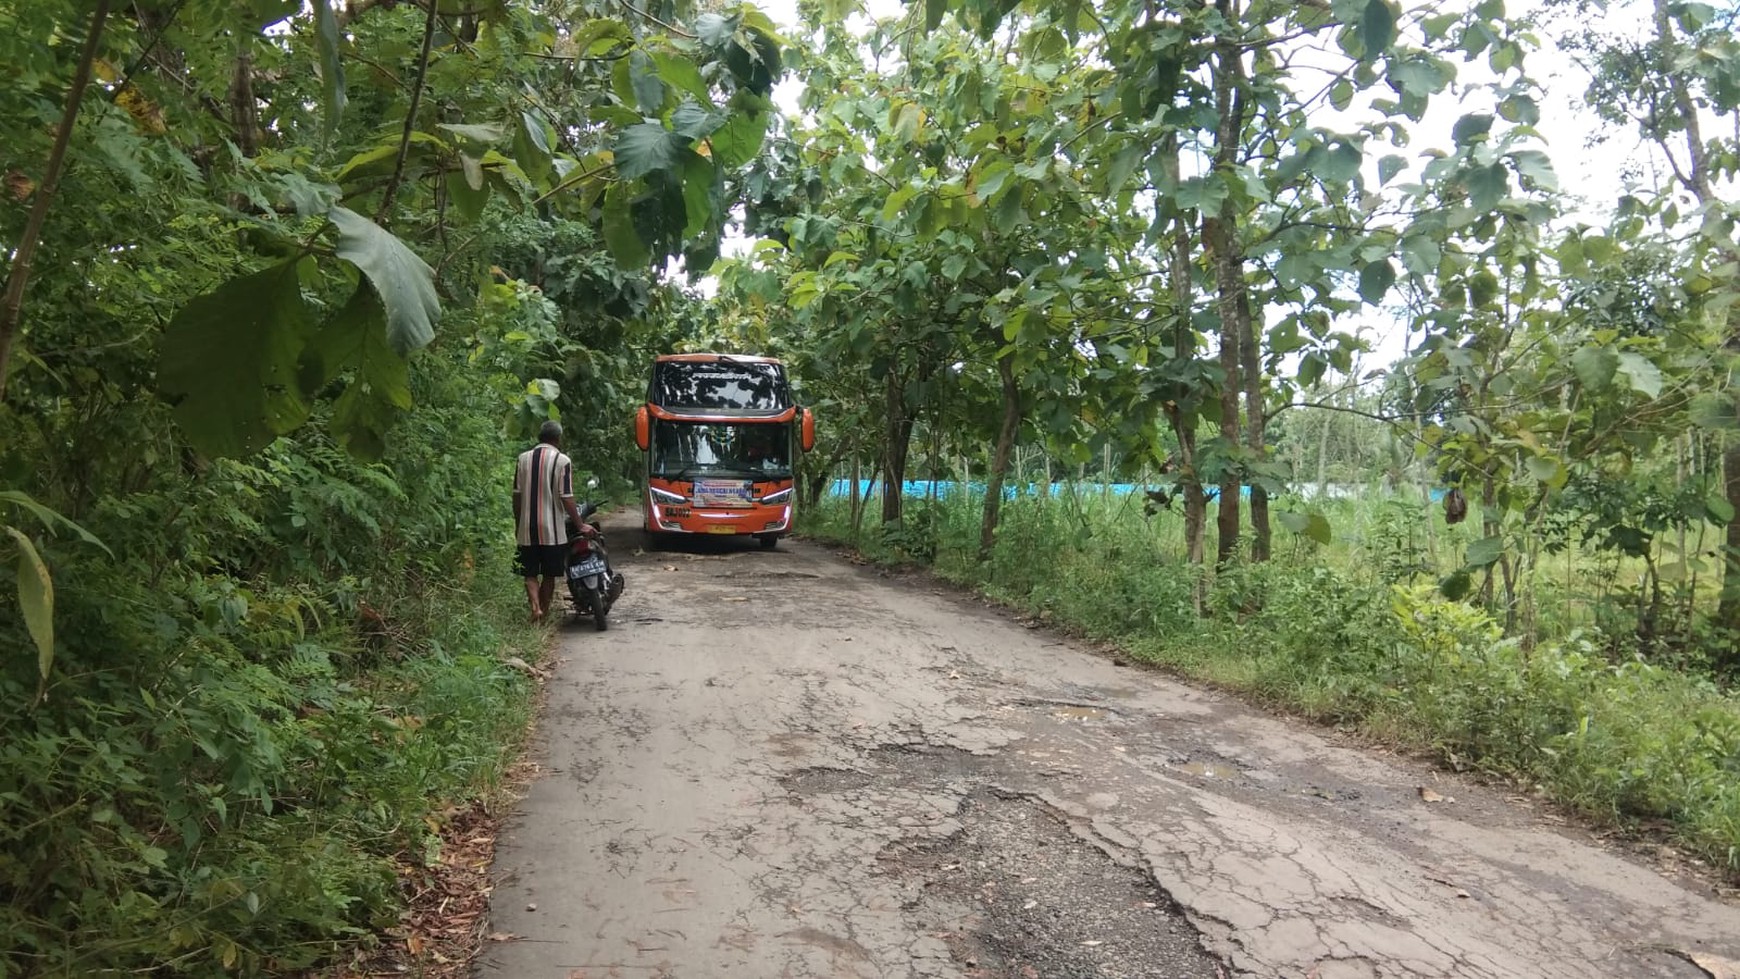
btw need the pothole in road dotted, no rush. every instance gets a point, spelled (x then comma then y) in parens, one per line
(1041, 902)
(1069, 710)
(920, 761)
(820, 781)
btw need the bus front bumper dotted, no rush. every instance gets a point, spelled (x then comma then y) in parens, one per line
(676, 519)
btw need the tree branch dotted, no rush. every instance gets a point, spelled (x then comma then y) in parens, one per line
(12, 306)
(410, 117)
(674, 29)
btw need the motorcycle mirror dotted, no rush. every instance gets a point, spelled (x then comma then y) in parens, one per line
(592, 482)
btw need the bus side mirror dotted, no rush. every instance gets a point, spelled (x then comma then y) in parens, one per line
(642, 428)
(807, 434)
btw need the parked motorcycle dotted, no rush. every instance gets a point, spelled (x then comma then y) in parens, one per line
(592, 583)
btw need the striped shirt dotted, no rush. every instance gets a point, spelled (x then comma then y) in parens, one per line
(542, 480)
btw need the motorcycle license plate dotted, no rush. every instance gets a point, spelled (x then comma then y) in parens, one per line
(591, 565)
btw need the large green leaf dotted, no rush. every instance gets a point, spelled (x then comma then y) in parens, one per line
(1389, 166)
(715, 30)
(381, 387)
(468, 199)
(1537, 167)
(229, 362)
(483, 133)
(406, 283)
(681, 74)
(532, 147)
(1377, 28)
(1640, 373)
(1595, 366)
(36, 599)
(355, 338)
(1485, 551)
(620, 235)
(1473, 126)
(1710, 410)
(1311, 526)
(327, 39)
(703, 190)
(1421, 254)
(648, 87)
(1375, 280)
(1487, 186)
(696, 121)
(739, 140)
(647, 147)
(50, 519)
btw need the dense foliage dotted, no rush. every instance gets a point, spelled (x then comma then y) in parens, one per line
(285, 285)
(1143, 238)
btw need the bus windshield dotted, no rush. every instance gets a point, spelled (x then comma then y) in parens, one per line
(722, 385)
(683, 450)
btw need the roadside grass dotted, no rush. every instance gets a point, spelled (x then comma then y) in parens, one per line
(1356, 634)
(255, 815)
(268, 703)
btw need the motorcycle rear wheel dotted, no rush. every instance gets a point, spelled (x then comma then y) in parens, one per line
(595, 602)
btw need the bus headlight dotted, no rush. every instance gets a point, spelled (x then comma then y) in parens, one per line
(666, 496)
(777, 497)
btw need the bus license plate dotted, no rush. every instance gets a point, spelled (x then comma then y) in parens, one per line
(721, 529)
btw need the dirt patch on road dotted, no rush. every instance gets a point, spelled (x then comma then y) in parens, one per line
(1045, 903)
(1017, 893)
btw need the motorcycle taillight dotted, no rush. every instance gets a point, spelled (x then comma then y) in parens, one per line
(582, 546)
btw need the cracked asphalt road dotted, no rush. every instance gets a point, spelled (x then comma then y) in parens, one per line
(778, 764)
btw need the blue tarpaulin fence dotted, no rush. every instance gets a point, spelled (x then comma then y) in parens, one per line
(943, 489)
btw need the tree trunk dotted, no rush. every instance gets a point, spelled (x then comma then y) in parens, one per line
(1255, 422)
(1220, 236)
(1728, 613)
(899, 436)
(1214, 234)
(1182, 417)
(1323, 457)
(1000, 461)
(1696, 178)
(857, 501)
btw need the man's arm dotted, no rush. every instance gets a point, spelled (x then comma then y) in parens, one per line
(581, 527)
(519, 501)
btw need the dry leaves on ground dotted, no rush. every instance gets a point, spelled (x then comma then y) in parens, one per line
(446, 920)
(447, 912)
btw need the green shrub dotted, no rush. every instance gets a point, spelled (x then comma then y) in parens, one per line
(262, 702)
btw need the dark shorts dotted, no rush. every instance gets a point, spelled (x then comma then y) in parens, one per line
(549, 560)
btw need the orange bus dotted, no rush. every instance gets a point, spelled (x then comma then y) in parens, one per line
(721, 437)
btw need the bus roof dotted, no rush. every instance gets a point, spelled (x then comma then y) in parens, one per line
(719, 358)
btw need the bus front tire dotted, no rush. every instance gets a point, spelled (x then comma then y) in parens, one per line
(769, 542)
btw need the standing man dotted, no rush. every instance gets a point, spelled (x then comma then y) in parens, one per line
(543, 496)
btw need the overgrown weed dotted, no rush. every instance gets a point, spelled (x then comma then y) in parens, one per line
(263, 706)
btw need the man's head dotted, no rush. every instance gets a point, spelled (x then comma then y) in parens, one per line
(550, 432)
